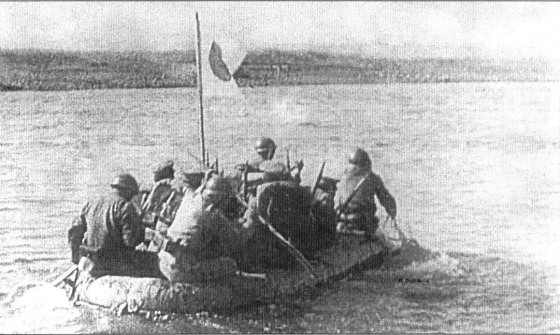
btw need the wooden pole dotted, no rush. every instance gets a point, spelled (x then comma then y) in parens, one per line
(199, 82)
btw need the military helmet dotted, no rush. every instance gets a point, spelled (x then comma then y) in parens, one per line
(163, 170)
(162, 166)
(360, 158)
(218, 185)
(125, 181)
(265, 144)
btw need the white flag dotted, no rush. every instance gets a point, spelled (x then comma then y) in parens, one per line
(220, 58)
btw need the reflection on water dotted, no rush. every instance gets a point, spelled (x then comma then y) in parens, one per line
(475, 168)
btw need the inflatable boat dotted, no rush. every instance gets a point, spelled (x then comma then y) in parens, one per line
(347, 253)
(135, 294)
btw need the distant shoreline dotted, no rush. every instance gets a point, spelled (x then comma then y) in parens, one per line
(39, 70)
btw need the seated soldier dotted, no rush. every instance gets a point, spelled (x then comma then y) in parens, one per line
(265, 149)
(355, 198)
(205, 233)
(286, 206)
(105, 234)
(160, 204)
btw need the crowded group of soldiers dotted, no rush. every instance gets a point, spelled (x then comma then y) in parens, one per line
(186, 231)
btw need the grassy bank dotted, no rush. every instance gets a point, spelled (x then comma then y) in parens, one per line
(57, 70)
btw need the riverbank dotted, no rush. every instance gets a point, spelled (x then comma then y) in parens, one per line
(57, 70)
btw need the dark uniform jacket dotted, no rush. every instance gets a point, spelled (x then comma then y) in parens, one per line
(110, 227)
(363, 202)
(112, 223)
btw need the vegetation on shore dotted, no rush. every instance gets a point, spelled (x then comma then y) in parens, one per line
(59, 70)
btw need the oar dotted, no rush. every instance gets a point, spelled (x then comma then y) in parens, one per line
(316, 185)
(290, 247)
(64, 275)
(402, 236)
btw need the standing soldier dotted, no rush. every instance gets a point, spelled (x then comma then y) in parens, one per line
(107, 232)
(355, 199)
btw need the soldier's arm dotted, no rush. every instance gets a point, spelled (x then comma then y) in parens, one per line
(385, 198)
(78, 229)
(131, 227)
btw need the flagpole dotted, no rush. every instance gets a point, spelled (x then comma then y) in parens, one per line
(199, 81)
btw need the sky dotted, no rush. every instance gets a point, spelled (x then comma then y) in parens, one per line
(381, 29)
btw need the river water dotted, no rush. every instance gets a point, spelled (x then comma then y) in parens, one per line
(475, 169)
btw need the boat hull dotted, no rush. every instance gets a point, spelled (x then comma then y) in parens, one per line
(135, 294)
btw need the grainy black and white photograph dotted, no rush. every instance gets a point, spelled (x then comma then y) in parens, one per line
(279, 167)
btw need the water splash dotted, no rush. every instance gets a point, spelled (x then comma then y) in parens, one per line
(39, 308)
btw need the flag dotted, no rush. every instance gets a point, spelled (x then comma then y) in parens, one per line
(220, 58)
(217, 64)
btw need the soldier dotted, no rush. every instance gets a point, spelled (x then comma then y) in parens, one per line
(265, 148)
(107, 231)
(358, 214)
(159, 206)
(204, 234)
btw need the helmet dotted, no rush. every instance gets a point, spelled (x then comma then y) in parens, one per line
(218, 185)
(360, 158)
(162, 166)
(163, 170)
(265, 144)
(125, 181)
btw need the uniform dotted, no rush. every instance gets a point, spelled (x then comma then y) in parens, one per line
(109, 229)
(359, 213)
(200, 241)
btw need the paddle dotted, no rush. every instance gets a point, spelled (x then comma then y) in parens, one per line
(402, 236)
(290, 247)
(318, 180)
(58, 280)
